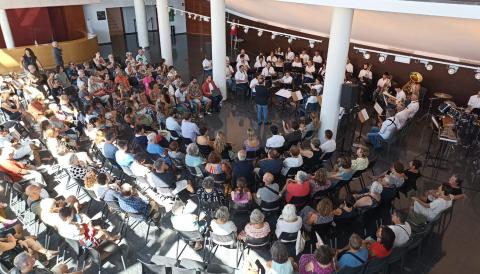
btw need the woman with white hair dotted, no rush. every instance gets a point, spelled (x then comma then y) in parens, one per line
(257, 228)
(370, 199)
(184, 220)
(299, 187)
(193, 158)
(288, 222)
(223, 230)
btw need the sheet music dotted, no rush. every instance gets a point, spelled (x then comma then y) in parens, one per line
(364, 115)
(285, 93)
(298, 95)
(378, 108)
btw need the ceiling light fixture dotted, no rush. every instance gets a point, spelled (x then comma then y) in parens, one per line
(452, 70)
(290, 40)
(382, 58)
(246, 30)
(477, 74)
(260, 32)
(273, 36)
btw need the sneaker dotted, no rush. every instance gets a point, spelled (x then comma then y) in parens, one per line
(208, 112)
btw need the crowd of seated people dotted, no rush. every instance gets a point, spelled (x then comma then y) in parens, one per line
(143, 122)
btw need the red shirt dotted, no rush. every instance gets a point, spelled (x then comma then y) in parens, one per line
(233, 31)
(295, 189)
(378, 250)
(12, 168)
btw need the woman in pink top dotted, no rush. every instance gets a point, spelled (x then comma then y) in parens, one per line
(241, 196)
(321, 262)
(146, 82)
(300, 187)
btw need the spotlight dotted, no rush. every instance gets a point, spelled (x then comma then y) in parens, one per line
(428, 66)
(273, 36)
(382, 58)
(246, 30)
(182, 13)
(312, 44)
(260, 32)
(477, 74)
(452, 69)
(206, 18)
(366, 55)
(189, 16)
(290, 40)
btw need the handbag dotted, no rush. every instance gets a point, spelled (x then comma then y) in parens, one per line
(216, 92)
(300, 243)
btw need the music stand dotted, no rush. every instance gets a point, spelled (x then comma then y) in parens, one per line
(362, 117)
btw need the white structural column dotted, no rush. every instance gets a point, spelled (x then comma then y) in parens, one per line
(338, 45)
(7, 32)
(164, 31)
(219, 44)
(141, 22)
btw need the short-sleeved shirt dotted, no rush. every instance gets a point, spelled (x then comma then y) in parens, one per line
(190, 130)
(348, 260)
(155, 149)
(123, 158)
(109, 150)
(402, 233)
(379, 250)
(295, 189)
(267, 195)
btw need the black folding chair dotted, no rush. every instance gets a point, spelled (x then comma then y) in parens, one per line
(188, 236)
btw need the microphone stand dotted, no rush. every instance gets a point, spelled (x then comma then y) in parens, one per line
(426, 115)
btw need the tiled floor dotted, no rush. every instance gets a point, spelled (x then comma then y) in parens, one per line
(456, 251)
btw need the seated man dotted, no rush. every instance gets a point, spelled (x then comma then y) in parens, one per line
(430, 211)
(242, 168)
(329, 145)
(269, 192)
(122, 157)
(384, 133)
(270, 164)
(129, 201)
(185, 220)
(356, 254)
(401, 228)
(162, 177)
(25, 263)
(197, 97)
(276, 141)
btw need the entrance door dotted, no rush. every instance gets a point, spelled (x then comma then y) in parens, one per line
(115, 22)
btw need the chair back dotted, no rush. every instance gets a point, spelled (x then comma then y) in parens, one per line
(327, 156)
(149, 268)
(309, 135)
(190, 235)
(299, 201)
(351, 270)
(257, 242)
(288, 237)
(270, 206)
(357, 174)
(91, 194)
(293, 171)
(195, 171)
(375, 266)
(204, 150)
(179, 270)
(219, 178)
(219, 268)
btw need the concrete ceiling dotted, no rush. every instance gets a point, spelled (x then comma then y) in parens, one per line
(446, 38)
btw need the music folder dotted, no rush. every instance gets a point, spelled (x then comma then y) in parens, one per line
(297, 95)
(378, 108)
(285, 93)
(363, 115)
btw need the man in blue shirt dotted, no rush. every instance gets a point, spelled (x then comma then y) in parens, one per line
(122, 157)
(129, 202)
(109, 149)
(190, 130)
(356, 254)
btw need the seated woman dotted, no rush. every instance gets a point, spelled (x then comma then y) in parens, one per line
(77, 169)
(288, 221)
(193, 158)
(210, 194)
(241, 196)
(174, 152)
(342, 170)
(321, 262)
(281, 262)
(100, 183)
(11, 106)
(319, 181)
(252, 144)
(222, 147)
(299, 187)
(345, 210)
(322, 214)
(257, 228)
(223, 229)
(312, 157)
(217, 169)
(203, 141)
(370, 199)
(361, 162)
(382, 247)
(294, 161)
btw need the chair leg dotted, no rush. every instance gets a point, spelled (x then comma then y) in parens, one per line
(148, 230)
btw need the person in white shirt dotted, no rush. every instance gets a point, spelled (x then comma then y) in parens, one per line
(317, 59)
(141, 57)
(243, 55)
(260, 55)
(401, 117)
(309, 72)
(297, 62)
(400, 228)
(286, 79)
(413, 106)
(431, 210)
(268, 70)
(171, 123)
(349, 67)
(329, 145)
(260, 63)
(317, 85)
(272, 58)
(400, 96)
(474, 102)
(190, 130)
(207, 66)
(241, 80)
(383, 83)
(180, 95)
(388, 128)
(365, 72)
(295, 160)
(254, 83)
(276, 141)
(289, 55)
(304, 56)
(229, 76)
(244, 63)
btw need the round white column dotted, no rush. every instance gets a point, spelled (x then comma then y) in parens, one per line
(338, 46)
(219, 44)
(141, 23)
(6, 31)
(164, 31)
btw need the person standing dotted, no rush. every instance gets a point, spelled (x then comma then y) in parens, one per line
(57, 54)
(261, 99)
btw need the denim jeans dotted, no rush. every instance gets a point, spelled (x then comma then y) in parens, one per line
(373, 137)
(262, 109)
